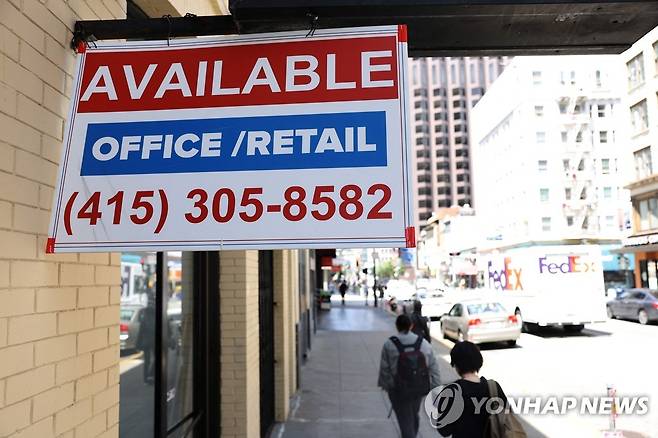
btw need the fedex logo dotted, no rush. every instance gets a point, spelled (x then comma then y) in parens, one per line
(506, 278)
(565, 265)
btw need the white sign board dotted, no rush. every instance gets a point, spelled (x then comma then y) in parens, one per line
(255, 141)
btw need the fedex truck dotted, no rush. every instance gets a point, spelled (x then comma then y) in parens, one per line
(548, 284)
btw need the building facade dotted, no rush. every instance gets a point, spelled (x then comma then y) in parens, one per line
(641, 63)
(548, 140)
(132, 344)
(444, 90)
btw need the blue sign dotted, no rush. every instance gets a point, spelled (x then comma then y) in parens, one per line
(313, 141)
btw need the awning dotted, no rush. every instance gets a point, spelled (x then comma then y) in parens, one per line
(435, 27)
(641, 243)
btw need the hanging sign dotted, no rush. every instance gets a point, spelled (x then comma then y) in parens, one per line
(255, 141)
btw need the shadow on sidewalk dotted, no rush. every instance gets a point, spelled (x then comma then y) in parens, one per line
(339, 396)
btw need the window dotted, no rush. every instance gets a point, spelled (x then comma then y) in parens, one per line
(655, 55)
(542, 165)
(563, 135)
(600, 109)
(639, 117)
(579, 137)
(566, 165)
(609, 222)
(563, 108)
(546, 224)
(598, 78)
(567, 193)
(603, 136)
(653, 212)
(643, 211)
(539, 110)
(607, 192)
(543, 195)
(643, 166)
(635, 71)
(540, 137)
(569, 221)
(171, 284)
(605, 165)
(536, 78)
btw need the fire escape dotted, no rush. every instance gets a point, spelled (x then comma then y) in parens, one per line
(580, 197)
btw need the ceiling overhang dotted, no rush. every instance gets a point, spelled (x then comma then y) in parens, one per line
(435, 27)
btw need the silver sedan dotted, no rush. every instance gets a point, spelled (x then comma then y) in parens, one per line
(481, 321)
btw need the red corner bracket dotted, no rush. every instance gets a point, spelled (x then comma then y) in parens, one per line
(50, 245)
(402, 33)
(410, 236)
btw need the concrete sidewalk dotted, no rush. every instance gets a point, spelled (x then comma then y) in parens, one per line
(339, 396)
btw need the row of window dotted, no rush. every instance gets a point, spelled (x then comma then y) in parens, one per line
(603, 136)
(439, 73)
(544, 193)
(568, 78)
(599, 110)
(635, 68)
(607, 222)
(542, 165)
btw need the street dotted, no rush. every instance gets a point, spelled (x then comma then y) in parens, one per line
(553, 362)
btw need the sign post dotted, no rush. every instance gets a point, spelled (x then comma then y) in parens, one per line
(254, 141)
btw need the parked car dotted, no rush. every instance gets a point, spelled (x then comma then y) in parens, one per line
(636, 304)
(481, 321)
(436, 302)
(130, 316)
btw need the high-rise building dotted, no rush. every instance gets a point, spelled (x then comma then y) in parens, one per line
(548, 150)
(444, 90)
(642, 107)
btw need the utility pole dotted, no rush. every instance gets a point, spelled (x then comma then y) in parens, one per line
(374, 274)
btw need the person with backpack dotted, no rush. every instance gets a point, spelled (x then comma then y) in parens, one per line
(407, 371)
(467, 360)
(419, 322)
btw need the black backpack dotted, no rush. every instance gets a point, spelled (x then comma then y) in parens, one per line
(412, 379)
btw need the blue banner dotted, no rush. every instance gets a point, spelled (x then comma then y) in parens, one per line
(315, 141)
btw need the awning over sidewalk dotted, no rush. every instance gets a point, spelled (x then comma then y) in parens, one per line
(642, 243)
(436, 27)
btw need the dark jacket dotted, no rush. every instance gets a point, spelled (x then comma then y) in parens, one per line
(419, 326)
(471, 424)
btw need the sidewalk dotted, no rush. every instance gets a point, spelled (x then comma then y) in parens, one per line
(339, 396)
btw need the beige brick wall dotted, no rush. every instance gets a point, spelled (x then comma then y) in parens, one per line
(59, 314)
(240, 378)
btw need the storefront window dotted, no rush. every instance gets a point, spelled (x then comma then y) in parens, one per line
(141, 403)
(137, 335)
(180, 345)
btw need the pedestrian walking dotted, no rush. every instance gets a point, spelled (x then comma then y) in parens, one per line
(419, 322)
(407, 371)
(146, 339)
(343, 289)
(477, 421)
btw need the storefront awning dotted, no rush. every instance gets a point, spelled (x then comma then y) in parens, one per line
(642, 243)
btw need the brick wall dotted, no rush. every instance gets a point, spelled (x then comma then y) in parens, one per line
(239, 331)
(59, 314)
